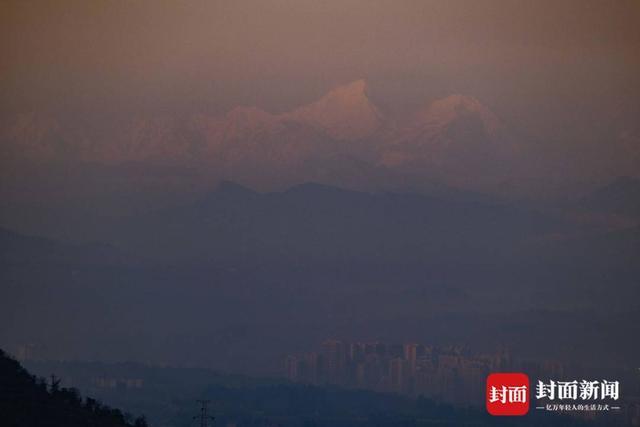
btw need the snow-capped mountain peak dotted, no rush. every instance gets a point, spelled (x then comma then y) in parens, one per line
(444, 111)
(345, 113)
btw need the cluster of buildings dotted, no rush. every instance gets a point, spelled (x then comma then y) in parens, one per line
(451, 374)
(117, 383)
(27, 351)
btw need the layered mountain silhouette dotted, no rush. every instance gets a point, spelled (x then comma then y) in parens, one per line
(306, 220)
(341, 139)
(400, 264)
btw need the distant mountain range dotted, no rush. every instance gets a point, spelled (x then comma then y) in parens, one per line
(341, 139)
(168, 284)
(329, 224)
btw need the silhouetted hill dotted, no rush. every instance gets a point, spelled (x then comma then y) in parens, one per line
(314, 222)
(26, 401)
(19, 248)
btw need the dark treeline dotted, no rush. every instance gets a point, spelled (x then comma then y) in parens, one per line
(28, 401)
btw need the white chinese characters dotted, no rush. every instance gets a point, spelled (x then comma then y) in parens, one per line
(574, 390)
(508, 394)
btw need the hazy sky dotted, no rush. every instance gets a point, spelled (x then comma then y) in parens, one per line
(276, 54)
(564, 74)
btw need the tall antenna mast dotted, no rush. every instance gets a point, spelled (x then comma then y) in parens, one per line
(204, 417)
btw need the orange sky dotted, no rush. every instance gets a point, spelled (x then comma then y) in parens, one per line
(565, 74)
(282, 53)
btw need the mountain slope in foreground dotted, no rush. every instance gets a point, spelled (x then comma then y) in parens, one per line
(28, 401)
